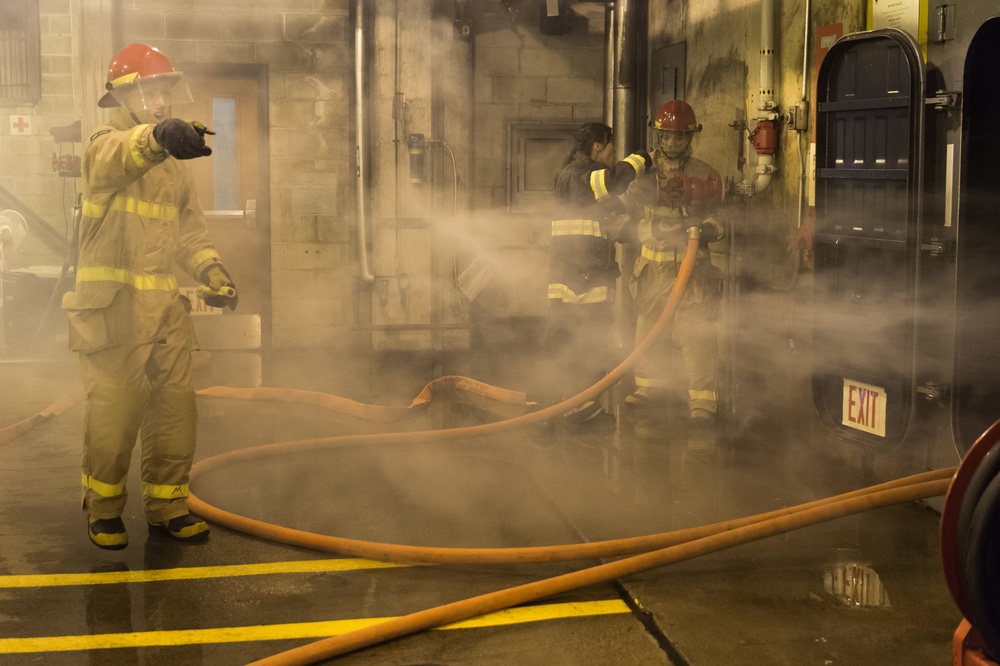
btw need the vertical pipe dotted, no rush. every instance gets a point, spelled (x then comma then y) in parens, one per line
(624, 84)
(609, 64)
(799, 139)
(359, 144)
(766, 54)
(622, 39)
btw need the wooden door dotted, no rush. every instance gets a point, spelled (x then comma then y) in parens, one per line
(232, 189)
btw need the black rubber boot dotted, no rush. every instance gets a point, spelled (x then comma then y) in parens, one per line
(183, 528)
(107, 533)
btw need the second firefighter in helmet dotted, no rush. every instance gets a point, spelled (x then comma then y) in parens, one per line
(676, 201)
(128, 322)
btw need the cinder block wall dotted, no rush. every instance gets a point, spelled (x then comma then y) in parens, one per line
(521, 74)
(307, 48)
(26, 158)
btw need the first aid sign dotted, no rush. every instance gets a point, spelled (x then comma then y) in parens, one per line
(864, 407)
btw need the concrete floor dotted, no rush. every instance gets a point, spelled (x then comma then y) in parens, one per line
(861, 590)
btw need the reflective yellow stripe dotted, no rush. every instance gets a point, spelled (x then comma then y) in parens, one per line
(702, 395)
(576, 228)
(297, 630)
(650, 382)
(91, 209)
(598, 185)
(125, 204)
(124, 276)
(586, 405)
(667, 256)
(191, 573)
(204, 256)
(133, 147)
(103, 489)
(124, 78)
(637, 162)
(563, 293)
(164, 492)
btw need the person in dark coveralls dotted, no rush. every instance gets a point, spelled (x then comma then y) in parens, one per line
(582, 264)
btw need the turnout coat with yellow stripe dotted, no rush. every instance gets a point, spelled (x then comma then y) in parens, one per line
(140, 214)
(582, 266)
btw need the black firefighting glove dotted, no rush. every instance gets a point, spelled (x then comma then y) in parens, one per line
(182, 139)
(217, 288)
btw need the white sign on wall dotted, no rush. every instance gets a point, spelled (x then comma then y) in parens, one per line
(901, 14)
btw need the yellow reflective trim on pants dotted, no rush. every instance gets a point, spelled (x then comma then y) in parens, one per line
(124, 204)
(576, 228)
(125, 276)
(164, 492)
(702, 395)
(103, 489)
(650, 382)
(576, 410)
(560, 292)
(667, 256)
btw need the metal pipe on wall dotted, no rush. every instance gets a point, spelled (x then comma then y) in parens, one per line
(624, 116)
(764, 135)
(803, 105)
(360, 146)
(609, 64)
(622, 46)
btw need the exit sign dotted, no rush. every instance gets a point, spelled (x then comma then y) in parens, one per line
(864, 407)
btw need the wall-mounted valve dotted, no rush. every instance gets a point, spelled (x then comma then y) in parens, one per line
(764, 137)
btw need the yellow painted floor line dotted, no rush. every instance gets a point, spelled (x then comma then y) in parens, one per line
(190, 573)
(271, 632)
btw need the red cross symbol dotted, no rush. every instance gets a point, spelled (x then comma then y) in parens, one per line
(20, 124)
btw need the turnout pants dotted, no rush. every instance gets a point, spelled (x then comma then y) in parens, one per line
(692, 333)
(144, 390)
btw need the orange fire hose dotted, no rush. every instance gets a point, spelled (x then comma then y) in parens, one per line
(646, 552)
(657, 550)
(494, 601)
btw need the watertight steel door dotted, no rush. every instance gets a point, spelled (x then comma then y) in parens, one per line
(976, 402)
(869, 146)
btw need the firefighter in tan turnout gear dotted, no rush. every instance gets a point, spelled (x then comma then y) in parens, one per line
(128, 322)
(676, 201)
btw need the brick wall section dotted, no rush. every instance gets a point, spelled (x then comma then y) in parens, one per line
(525, 75)
(307, 48)
(26, 160)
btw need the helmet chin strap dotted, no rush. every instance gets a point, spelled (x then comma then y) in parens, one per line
(678, 162)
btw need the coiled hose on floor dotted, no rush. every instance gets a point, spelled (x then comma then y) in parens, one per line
(646, 552)
(654, 550)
